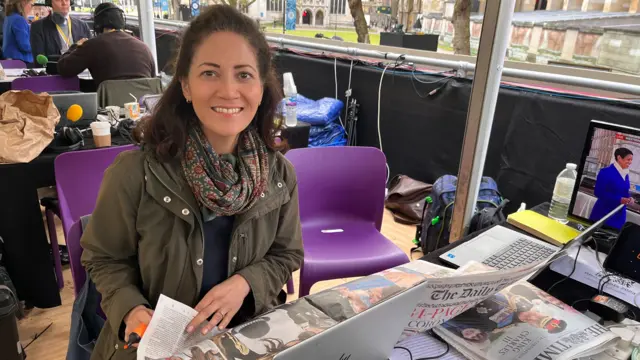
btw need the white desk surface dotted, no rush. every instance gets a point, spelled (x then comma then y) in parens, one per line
(12, 74)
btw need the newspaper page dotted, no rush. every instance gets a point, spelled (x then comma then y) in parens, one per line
(446, 297)
(523, 322)
(419, 345)
(166, 335)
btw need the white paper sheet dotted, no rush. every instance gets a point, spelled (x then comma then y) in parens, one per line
(423, 345)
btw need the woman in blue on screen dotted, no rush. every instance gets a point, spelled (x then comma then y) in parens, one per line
(16, 40)
(612, 189)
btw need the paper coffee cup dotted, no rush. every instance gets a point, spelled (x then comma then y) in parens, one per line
(132, 110)
(101, 133)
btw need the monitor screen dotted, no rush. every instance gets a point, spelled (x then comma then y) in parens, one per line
(608, 175)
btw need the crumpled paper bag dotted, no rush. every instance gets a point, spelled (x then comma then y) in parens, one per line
(27, 125)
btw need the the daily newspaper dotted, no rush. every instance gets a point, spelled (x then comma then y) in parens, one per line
(523, 322)
(448, 294)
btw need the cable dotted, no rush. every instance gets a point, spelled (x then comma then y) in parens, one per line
(348, 95)
(435, 336)
(379, 133)
(36, 336)
(575, 263)
(335, 77)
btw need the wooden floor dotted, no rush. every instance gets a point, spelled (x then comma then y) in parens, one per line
(52, 344)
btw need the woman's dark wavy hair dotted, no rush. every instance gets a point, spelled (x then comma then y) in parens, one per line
(165, 131)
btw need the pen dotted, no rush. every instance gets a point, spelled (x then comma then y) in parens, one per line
(136, 335)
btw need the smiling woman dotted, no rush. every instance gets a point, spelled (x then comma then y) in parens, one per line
(207, 212)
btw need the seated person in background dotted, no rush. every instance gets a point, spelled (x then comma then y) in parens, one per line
(53, 35)
(112, 54)
(15, 42)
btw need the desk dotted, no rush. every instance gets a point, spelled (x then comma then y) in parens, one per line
(86, 81)
(568, 292)
(26, 247)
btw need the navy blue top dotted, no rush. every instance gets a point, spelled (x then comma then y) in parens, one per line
(610, 189)
(16, 42)
(217, 238)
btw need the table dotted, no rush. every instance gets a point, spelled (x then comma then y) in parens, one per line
(570, 290)
(86, 81)
(26, 247)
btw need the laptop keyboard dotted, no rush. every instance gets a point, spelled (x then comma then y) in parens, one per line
(521, 252)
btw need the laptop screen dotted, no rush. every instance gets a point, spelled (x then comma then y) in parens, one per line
(608, 175)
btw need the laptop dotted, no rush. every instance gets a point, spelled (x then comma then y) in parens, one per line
(88, 102)
(503, 248)
(370, 335)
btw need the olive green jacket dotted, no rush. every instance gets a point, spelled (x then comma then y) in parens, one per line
(145, 238)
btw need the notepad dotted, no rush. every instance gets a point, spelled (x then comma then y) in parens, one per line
(543, 227)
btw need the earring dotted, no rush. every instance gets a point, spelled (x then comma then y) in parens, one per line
(189, 101)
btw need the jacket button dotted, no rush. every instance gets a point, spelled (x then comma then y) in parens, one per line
(185, 212)
(262, 195)
(199, 262)
(167, 199)
(116, 346)
(234, 259)
(279, 184)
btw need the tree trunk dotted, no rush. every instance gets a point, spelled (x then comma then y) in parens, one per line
(461, 27)
(394, 9)
(359, 21)
(408, 24)
(175, 9)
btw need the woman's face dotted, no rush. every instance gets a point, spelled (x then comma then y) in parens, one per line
(224, 84)
(626, 161)
(474, 335)
(28, 5)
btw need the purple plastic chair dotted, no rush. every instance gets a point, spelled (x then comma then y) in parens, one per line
(341, 192)
(13, 64)
(39, 84)
(78, 179)
(78, 273)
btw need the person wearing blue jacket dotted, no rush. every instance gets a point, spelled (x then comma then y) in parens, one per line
(612, 189)
(16, 38)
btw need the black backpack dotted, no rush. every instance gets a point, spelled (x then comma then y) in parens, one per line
(433, 232)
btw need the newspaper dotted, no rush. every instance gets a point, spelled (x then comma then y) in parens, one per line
(446, 297)
(523, 322)
(418, 345)
(449, 293)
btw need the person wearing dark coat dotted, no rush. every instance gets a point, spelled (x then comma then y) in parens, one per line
(56, 33)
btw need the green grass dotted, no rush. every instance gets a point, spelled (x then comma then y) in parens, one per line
(349, 36)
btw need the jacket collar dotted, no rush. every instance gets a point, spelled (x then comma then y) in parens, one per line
(169, 174)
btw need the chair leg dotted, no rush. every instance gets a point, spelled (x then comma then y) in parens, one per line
(304, 288)
(290, 287)
(53, 237)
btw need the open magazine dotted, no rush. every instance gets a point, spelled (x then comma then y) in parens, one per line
(524, 322)
(448, 294)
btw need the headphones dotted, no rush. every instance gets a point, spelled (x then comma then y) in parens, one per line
(99, 27)
(66, 139)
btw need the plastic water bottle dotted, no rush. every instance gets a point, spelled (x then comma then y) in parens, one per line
(291, 102)
(562, 192)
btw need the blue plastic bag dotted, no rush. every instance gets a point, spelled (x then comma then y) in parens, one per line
(316, 112)
(331, 134)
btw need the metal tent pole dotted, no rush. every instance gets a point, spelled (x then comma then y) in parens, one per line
(494, 41)
(147, 28)
(462, 65)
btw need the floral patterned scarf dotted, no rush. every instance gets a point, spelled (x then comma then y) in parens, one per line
(218, 185)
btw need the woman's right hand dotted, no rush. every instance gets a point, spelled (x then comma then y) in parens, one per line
(136, 316)
(626, 201)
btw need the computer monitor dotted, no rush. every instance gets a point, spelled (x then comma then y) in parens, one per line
(608, 174)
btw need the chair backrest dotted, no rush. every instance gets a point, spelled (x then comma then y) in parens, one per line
(340, 184)
(39, 84)
(13, 64)
(75, 252)
(116, 92)
(78, 179)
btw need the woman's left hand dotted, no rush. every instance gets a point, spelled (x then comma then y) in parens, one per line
(223, 301)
